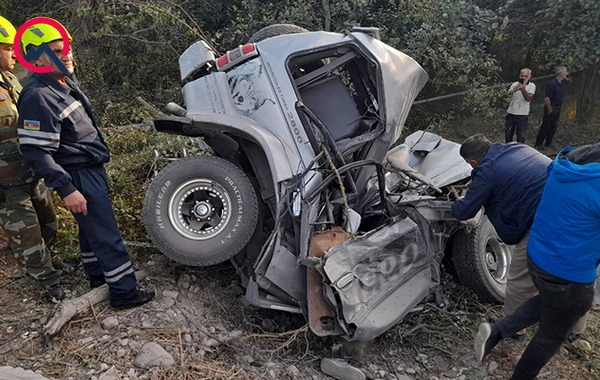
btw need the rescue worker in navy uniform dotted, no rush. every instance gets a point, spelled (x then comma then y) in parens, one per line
(26, 211)
(60, 139)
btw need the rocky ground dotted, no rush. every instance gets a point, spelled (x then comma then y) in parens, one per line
(199, 328)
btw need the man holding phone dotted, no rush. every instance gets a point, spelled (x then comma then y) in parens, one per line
(517, 116)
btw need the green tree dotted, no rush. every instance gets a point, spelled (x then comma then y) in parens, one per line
(575, 41)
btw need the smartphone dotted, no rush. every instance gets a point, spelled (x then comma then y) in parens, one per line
(521, 80)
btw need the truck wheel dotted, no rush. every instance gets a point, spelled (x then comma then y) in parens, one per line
(274, 31)
(200, 210)
(481, 261)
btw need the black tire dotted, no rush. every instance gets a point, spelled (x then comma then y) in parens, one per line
(200, 210)
(274, 31)
(481, 261)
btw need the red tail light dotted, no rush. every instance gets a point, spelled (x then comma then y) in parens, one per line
(236, 56)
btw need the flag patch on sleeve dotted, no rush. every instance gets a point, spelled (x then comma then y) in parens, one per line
(32, 125)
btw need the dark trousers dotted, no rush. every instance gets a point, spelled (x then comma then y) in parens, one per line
(518, 122)
(557, 308)
(102, 250)
(549, 126)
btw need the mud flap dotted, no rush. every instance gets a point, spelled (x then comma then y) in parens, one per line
(379, 277)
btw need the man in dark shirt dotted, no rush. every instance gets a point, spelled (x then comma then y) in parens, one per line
(555, 94)
(508, 180)
(60, 139)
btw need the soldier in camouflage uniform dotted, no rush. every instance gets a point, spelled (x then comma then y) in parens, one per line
(26, 210)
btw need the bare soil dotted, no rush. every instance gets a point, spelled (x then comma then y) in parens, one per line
(211, 334)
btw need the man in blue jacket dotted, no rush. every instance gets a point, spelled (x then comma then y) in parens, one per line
(564, 254)
(507, 180)
(60, 139)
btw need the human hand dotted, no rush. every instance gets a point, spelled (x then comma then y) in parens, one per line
(76, 203)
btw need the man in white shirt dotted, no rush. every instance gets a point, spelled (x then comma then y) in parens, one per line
(518, 110)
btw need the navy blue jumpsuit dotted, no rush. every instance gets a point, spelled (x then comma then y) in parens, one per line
(60, 139)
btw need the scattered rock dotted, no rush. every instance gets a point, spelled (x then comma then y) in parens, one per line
(131, 372)
(111, 374)
(10, 373)
(293, 371)
(124, 342)
(147, 324)
(103, 367)
(248, 359)
(404, 377)
(268, 324)
(121, 352)
(272, 374)
(210, 342)
(184, 278)
(109, 323)
(152, 355)
(170, 294)
(492, 367)
(341, 370)
(452, 373)
(187, 338)
(212, 330)
(583, 345)
(410, 371)
(87, 340)
(167, 302)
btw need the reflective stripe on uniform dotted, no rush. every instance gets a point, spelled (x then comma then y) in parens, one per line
(40, 138)
(117, 278)
(117, 274)
(67, 111)
(88, 257)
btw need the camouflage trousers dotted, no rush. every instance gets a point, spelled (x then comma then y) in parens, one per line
(27, 215)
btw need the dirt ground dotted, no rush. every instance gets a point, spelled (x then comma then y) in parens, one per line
(201, 320)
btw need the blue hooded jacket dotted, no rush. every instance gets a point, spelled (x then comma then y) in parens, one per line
(508, 182)
(565, 236)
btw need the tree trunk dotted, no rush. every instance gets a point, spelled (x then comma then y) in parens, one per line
(588, 96)
(327, 13)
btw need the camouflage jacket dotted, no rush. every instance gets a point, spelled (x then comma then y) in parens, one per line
(13, 170)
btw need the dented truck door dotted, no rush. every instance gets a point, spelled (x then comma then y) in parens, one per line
(379, 277)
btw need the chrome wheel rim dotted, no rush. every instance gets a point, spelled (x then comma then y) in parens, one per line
(199, 209)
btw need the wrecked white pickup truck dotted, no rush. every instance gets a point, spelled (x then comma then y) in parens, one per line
(304, 193)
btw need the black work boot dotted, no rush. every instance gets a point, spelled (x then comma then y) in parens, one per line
(96, 282)
(135, 298)
(55, 292)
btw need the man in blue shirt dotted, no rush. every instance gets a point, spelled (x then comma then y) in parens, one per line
(564, 254)
(508, 180)
(60, 139)
(553, 100)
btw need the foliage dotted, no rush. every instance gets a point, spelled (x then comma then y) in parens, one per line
(577, 37)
